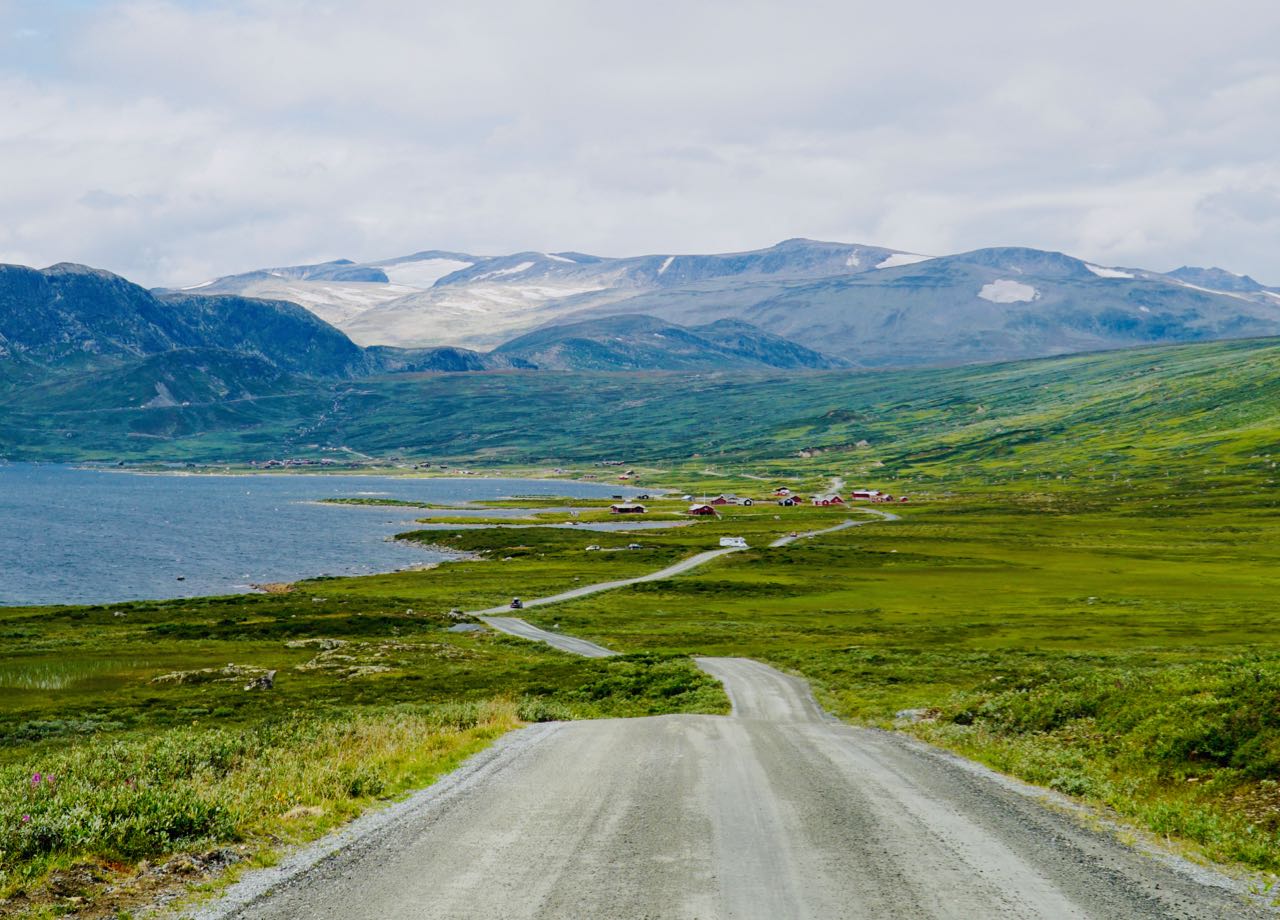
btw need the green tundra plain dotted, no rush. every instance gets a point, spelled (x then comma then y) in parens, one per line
(1081, 592)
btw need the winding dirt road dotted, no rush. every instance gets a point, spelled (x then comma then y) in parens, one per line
(775, 812)
(494, 616)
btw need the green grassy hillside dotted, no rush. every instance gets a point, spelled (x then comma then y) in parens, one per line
(1180, 409)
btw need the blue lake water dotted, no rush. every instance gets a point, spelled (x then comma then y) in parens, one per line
(86, 536)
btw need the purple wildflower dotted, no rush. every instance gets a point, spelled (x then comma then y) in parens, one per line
(26, 819)
(35, 779)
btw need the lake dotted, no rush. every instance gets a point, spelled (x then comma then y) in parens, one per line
(72, 535)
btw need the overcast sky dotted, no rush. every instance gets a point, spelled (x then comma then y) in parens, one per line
(175, 141)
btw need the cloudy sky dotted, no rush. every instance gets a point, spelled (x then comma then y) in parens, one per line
(173, 141)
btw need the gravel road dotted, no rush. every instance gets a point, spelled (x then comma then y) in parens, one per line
(514, 626)
(517, 627)
(843, 525)
(670, 571)
(775, 812)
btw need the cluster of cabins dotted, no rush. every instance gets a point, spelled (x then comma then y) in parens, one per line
(783, 496)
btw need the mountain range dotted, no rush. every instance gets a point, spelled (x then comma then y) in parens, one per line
(94, 365)
(67, 325)
(797, 306)
(866, 306)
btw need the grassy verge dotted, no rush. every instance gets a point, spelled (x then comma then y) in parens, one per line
(79, 817)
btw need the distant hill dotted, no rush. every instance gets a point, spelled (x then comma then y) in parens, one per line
(990, 304)
(630, 342)
(70, 317)
(445, 359)
(869, 305)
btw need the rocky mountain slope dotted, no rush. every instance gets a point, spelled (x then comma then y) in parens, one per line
(70, 317)
(868, 305)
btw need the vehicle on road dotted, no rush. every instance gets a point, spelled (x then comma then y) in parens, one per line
(516, 603)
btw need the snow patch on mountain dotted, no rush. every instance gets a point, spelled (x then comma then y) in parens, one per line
(853, 261)
(666, 264)
(1107, 272)
(475, 315)
(513, 270)
(556, 258)
(1196, 287)
(1004, 290)
(423, 273)
(902, 258)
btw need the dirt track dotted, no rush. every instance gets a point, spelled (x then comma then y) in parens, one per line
(775, 812)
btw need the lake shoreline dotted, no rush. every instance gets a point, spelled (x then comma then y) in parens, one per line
(70, 537)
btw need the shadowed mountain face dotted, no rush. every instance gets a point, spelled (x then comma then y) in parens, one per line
(645, 343)
(1219, 279)
(69, 316)
(867, 305)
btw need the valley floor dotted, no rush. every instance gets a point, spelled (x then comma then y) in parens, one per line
(1119, 649)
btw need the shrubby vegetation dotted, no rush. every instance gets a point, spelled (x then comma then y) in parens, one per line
(146, 795)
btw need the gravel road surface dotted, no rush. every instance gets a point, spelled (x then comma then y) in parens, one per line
(514, 626)
(669, 572)
(772, 813)
(517, 627)
(843, 525)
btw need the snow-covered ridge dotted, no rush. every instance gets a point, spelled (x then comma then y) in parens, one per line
(422, 273)
(443, 297)
(902, 258)
(1196, 287)
(513, 270)
(1107, 272)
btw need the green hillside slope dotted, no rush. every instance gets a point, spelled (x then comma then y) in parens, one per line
(1171, 408)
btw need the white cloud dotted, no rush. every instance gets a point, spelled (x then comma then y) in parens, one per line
(174, 141)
